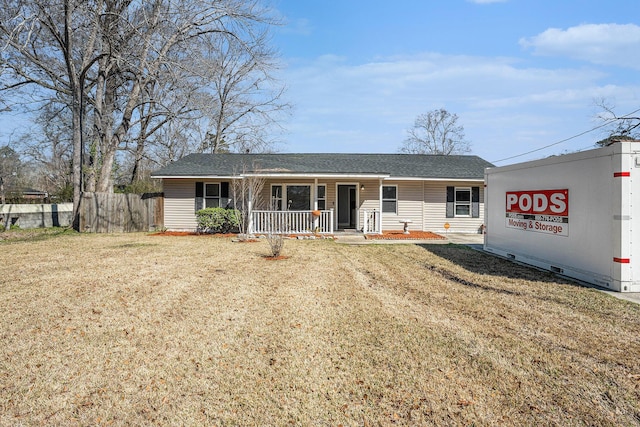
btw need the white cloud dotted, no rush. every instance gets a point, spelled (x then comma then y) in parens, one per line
(505, 107)
(608, 44)
(300, 26)
(409, 85)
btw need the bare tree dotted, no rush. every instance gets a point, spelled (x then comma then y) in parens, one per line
(163, 102)
(246, 192)
(618, 128)
(9, 170)
(436, 132)
(52, 45)
(171, 142)
(103, 59)
(156, 37)
(245, 100)
(49, 149)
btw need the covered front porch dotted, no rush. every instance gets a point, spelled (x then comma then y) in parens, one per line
(318, 205)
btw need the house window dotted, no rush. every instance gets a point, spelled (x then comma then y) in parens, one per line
(390, 199)
(276, 197)
(321, 191)
(212, 195)
(463, 201)
(298, 197)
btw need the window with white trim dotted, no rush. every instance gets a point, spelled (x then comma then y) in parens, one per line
(321, 192)
(463, 201)
(298, 197)
(389, 199)
(276, 197)
(212, 195)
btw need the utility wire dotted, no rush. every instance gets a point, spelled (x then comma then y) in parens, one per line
(568, 139)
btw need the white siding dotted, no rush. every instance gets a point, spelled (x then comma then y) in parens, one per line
(423, 202)
(368, 198)
(179, 204)
(410, 206)
(435, 204)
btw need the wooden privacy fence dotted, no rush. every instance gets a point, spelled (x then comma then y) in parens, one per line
(109, 212)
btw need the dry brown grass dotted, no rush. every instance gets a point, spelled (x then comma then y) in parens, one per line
(153, 330)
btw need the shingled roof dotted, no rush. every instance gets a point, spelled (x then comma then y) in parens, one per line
(392, 165)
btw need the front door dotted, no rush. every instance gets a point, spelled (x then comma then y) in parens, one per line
(347, 206)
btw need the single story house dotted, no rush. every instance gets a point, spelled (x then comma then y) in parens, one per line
(324, 193)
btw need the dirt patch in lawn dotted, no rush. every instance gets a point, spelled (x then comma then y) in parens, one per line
(143, 330)
(275, 258)
(400, 235)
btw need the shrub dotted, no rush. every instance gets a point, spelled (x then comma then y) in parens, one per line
(276, 244)
(217, 220)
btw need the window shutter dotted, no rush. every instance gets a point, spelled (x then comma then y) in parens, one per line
(199, 196)
(475, 202)
(450, 202)
(224, 195)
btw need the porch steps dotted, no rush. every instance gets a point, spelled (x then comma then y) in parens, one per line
(349, 236)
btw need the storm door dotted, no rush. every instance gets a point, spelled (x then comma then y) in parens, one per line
(347, 208)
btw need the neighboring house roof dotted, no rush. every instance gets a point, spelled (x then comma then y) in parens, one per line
(383, 165)
(27, 192)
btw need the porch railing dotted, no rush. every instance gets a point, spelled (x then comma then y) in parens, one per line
(371, 221)
(291, 222)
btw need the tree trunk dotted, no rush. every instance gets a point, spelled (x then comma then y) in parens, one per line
(77, 159)
(136, 172)
(105, 183)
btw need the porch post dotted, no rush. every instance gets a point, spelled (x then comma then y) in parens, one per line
(331, 221)
(316, 219)
(315, 194)
(250, 212)
(379, 222)
(365, 220)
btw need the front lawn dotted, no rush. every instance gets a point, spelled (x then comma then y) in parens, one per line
(194, 330)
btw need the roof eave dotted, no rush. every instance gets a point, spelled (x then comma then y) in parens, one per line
(320, 175)
(442, 178)
(317, 175)
(195, 176)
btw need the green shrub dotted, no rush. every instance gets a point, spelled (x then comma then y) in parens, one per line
(217, 220)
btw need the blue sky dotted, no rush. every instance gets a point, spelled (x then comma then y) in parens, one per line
(520, 74)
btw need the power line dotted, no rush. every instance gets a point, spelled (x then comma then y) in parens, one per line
(568, 139)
